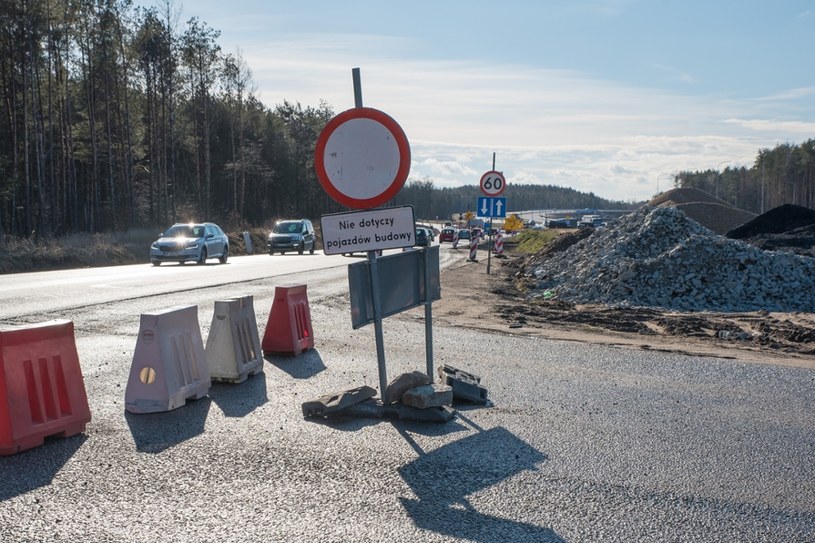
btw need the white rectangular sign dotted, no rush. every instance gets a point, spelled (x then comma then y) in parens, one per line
(369, 230)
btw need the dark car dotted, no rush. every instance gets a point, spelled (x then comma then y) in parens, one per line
(423, 237)
(560, 223)
(292, 235)
(190, 242)
(447, 234)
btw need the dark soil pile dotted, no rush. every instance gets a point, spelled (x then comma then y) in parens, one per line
(788, 228)
(779, 219)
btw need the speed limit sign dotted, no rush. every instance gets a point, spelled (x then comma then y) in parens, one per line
(493, 183)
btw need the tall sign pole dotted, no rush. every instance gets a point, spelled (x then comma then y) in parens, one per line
(489, 230)
(492, 184)
(376, 300)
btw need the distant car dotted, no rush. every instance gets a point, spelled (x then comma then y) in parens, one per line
(464, 235)
(292, 235)
(594, 222)
(423, 237)
(447, 234)
(559, 223)
(476, 232)
(190, 242)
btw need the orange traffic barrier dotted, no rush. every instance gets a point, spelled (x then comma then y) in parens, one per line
(288, 330)
(42, 392)
(233, 344)
(169, 363)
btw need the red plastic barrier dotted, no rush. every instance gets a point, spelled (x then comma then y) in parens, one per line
(42, 392)
(288, 330)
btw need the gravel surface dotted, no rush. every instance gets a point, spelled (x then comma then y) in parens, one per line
(582, 443)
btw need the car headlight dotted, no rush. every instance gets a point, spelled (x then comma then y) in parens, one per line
(191, 245)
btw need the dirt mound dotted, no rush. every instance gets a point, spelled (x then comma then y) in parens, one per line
(718, 218)
(565, 240)
(712, 213)
(675, 197)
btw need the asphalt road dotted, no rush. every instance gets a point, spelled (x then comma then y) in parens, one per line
(583, 443)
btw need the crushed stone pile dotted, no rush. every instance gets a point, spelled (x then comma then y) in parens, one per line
(659, 257)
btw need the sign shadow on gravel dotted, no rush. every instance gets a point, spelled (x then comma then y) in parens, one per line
(157, 432)
(307, 364)
(444, 478)
(35, 468)
(240, 399)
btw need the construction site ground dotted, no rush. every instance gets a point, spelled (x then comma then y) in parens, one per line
(473, 298)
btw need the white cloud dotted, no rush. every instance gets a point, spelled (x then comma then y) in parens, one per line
(555, 127)
(771, 125)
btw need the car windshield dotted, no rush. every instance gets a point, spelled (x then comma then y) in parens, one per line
(184, 231)
(288, 227)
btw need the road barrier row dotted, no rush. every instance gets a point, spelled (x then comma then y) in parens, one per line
(42, 391)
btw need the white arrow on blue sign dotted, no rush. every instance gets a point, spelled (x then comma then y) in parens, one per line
(492, 207)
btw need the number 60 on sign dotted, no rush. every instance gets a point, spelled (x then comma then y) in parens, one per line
(493, 183)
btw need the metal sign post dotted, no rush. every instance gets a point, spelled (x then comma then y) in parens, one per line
(376, 302)
(491, 208)
(492, 184)
(395, 283)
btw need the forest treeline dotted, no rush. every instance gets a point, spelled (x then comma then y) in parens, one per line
(782, 175)
(114, 116)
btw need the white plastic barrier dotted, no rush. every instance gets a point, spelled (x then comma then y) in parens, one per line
(233, 344)
(169, 363)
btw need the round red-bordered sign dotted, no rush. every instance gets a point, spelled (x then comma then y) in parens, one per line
(362, 158)
(493, 183)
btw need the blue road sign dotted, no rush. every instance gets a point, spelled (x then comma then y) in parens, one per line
(492, 207)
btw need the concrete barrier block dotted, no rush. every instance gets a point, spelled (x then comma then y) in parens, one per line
(466, 386)
(169, 364)
(432, 395)
(233, 345)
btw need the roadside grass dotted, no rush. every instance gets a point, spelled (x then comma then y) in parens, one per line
(532, 241)
(84, 250)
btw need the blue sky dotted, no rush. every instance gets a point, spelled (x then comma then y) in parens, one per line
(603, 96)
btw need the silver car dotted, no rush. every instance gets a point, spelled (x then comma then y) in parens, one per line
(190, 242)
